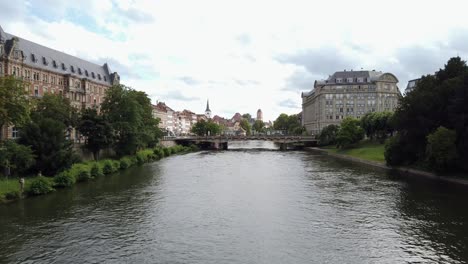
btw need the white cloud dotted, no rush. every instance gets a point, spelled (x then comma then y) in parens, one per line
(244, 55)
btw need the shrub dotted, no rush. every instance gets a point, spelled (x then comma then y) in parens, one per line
(349, 133)
(167, 152)
(145, 156)
(159, 153)
(125, 162)
(64, 179)
(194, 148)
(115, 165)
(107, 167)
(81, 172)
(96, 171)
(441, 149)
(40, 185)
(13, 195)
(328, 135)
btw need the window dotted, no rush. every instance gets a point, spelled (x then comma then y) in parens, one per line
(86, 73)
(33, 58)
(92, 74)
(14, 132)
(99, 76)
(54, 63)
(339, 80)
(72, 68)
(44, 60)
(36, 91)
(350, 80)
(64, 67)
(79, 71)
(105, 78)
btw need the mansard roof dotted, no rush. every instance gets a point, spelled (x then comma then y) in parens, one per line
(38, 56)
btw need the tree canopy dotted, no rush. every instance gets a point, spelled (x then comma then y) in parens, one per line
(14, 103)
(96, 129)
(290, 124)
(203, 128)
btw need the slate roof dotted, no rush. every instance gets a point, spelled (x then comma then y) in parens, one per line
(38, 56)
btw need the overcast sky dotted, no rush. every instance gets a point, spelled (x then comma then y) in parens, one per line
(244, 55)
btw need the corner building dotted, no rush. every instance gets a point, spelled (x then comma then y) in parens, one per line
(348, 93)
(50, 71)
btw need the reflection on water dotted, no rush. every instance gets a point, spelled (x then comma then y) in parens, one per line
(241, 206)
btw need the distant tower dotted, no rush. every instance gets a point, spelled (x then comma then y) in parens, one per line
(259, 115)
(208, 111)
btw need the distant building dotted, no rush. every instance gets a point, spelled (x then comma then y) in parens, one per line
(259, 115)
(208, 111)
(50, 71)
(411, 85)
(348, 93)
(236, 118)
(166, 115)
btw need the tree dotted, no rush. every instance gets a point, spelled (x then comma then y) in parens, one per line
(259, 126)
(55, 107)
(349, 133)
(202, 127)
(282, 122)
(244, 123)
(437, 100)
(130, 115)
(97, 130)
(247, 116)
(378, 125)
(290, 124)
(18, 158)
(14, 103)
(442, 150)
(53, 151)
(328, 135)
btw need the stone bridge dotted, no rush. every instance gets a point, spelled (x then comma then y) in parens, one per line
(221, 142)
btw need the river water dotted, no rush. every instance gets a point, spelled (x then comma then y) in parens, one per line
(241, 206)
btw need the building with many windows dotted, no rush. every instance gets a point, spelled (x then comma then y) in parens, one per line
(46, 70)
(348, 93)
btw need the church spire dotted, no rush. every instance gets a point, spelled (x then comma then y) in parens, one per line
(207, 106)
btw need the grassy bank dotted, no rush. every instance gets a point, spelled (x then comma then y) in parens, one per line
(365, 149)
(80, 172)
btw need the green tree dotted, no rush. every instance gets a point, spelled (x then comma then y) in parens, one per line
(442, 150)
(130, 115)
(97, 130)
(289, 124)
(247, 116)
(259, 126)
(282, 122)
(14, 103)
(202, 127)
(349, 133)
(18, 158)
(328, 135)
(244, 123)
(55, 107)
(53, 151)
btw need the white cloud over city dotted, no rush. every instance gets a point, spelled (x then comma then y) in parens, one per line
(244, 55)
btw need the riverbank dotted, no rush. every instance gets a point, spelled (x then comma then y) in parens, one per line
(372, 154)
(81, 172)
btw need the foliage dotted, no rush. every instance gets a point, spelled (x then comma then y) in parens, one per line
(378, 125)
(203, 128)
(96, 170)
(14, 104)
(259, 126)
(55, 107)
(349, 133)
(107, 167)
(64, 179)
(144, 156)
(364, 149)
(247, 116)
(53, 151)
(244, 123)
(81, 172)
(40, 185)
(130, 114)
(290, 124)
(437, 100)
(328, 135)
(18, 158)
(441, 149)
(125, 162)
(96, 129)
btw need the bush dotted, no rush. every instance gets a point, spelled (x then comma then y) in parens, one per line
(81, 172)
(96, 171)
(328, 135)
(194, 148)
(441, 150)
(64, 179)
(125, 162)
(145, 156)
(398, 151)
(159, 153)
(167, 152)
(13, 195)
(107, 167)
(349, 133)
(40, 185)
(115, 165)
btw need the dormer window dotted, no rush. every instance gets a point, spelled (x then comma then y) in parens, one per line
(360, 79)
(33, 57)
(99, 76)
(44, 60)
(92, 74)
(86, 73)
(349, 80)
(79, 71)
(64, 67)
(54, 63)
(72, 68)
(339, 80)
(105, 78)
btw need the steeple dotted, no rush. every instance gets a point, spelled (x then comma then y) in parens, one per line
(207, 106)
(208, 111)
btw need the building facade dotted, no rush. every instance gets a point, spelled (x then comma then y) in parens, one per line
(259, 115)
(166, 116)
(348, 93)
(46, 70)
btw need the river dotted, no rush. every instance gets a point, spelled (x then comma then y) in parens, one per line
(241, 206)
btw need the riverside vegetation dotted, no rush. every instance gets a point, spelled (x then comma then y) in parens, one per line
(45, 126)
(428, 131)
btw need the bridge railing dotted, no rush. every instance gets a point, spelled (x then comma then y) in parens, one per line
(268, 137)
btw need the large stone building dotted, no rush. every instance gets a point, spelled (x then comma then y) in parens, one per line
(348, 93)
(166, 116)
(50, 71)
